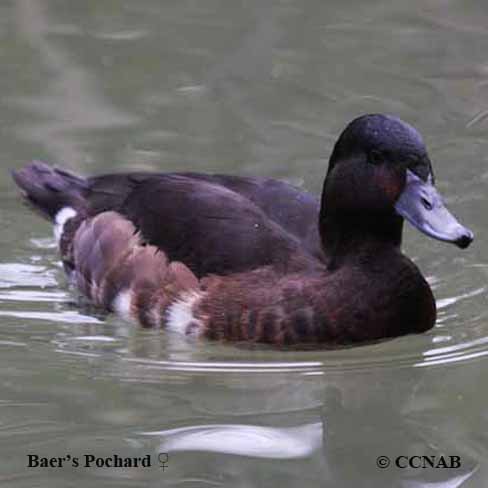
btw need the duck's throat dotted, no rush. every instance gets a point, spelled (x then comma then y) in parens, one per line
(349, 237)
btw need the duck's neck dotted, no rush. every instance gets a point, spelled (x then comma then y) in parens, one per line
(348, 237)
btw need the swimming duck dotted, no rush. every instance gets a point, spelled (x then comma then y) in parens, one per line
(257, 260)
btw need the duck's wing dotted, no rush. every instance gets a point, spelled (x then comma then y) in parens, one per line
(293, 209)
(49, 189)
(206, 226)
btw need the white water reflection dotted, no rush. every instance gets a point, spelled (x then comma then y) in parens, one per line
(63, 317)
(35, 296)
(454, 482)
(17, 274)
(244, 440)
(446, 302)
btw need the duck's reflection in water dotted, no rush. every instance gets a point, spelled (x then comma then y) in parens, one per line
(330, 432)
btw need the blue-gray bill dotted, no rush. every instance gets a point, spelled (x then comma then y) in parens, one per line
(421, 204)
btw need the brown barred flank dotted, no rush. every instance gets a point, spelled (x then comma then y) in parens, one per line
(114, 268)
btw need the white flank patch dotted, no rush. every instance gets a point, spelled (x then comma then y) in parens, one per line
(179, 315)
(122, 304)
(60, 220)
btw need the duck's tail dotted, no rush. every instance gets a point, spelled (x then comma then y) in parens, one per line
(103, 253)
(50, 190)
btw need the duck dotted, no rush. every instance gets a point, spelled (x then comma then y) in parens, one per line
(254, 259)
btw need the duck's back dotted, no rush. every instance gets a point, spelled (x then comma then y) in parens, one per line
(213, 223)
(291, 208)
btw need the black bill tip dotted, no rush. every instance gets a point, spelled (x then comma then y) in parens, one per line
(465, 240)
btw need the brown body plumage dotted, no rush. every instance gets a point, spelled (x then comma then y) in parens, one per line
(212, 256)
(108, 259)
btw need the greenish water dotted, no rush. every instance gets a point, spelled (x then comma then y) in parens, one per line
(247, 87)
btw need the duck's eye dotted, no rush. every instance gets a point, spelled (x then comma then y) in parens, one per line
(376, 157)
